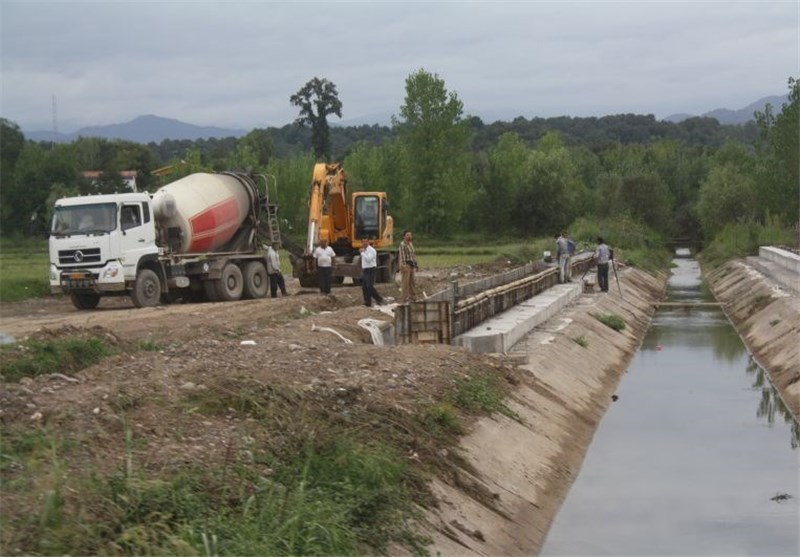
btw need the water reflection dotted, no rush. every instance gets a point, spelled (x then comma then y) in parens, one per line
(771, 403)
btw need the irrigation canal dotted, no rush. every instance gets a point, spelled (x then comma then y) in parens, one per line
(697, 456)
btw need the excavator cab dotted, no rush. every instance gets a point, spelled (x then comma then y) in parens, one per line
(371, 219)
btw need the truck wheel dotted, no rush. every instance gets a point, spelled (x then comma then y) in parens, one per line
(85, 301)
(210, 287)
(256, 281)
(147, 289)
(231, 284)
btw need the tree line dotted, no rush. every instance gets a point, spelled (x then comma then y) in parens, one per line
(447, 173)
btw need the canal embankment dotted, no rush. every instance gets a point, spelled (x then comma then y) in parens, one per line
(517, 468)
(766, 314)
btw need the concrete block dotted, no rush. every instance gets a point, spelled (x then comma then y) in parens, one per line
(782, 257)
(501, 332)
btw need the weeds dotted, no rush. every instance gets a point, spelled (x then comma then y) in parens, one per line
(611, 320)
(581, 341)
(41, 357)
(740, 239)
(441, 420)
(481, 393)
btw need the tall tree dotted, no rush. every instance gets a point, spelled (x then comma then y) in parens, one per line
(317, 100)
(729, 192)
(437, 179)
(12, 142)
(779, 172)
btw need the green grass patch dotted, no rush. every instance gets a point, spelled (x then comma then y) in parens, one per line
(581, 341)
(441, 420)
(337, 496)
(611, 320)
(59, 356)
(24, 269)
(481, 393)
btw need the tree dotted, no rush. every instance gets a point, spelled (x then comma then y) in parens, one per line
(12, 142)
(317, 100)
(778, 176)
(506, 174)
(437, 180)
(553, 193)
(729, 192)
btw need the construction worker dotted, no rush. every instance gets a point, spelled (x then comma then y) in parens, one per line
(603, 255)
(408, 269)
(562, 255)
(369, 268)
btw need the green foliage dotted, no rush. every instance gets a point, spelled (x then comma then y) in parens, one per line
(729, 193)
(441, 419)
(24, 268)
(778, 173)
(317, 100)
(553, 194)
(446, 174)
(36, 357)
(483, 392)
(737, 240)
(292, 179)
(611, 320)
(621, 233)
(334, 497)
(581, 341)
(436, 173)
(501, 179)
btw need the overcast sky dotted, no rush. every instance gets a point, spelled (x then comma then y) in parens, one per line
(235, 64)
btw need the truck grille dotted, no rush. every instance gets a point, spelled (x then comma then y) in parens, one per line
(79, 256)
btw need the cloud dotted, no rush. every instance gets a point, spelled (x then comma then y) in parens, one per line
(235, 64)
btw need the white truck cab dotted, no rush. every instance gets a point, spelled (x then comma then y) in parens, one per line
(97, 244)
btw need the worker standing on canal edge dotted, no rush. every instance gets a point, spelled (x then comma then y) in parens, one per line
(562, 256)
(603, 256)
(408, 269)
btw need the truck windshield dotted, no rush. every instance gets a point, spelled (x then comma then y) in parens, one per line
(97, 218)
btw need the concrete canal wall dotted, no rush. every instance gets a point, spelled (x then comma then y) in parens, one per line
(767, 317)
(517, 470)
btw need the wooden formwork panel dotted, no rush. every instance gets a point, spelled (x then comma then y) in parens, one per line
(423, 323)
(458, 309)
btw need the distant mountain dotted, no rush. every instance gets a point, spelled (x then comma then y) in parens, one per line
(150, 128)
(726, 116)
(143, 129)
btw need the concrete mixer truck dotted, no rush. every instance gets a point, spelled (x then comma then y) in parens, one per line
(198, 238)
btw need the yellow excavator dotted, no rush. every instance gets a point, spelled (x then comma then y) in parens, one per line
(344, 222)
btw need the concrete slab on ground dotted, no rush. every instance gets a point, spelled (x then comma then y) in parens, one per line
(501, 332)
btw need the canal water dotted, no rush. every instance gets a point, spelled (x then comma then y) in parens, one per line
(697, 456)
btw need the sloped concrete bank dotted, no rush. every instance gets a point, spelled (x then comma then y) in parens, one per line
(518, 470)
(767, 317)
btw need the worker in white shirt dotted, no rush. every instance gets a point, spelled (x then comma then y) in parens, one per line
(324, 255)
(369, 268)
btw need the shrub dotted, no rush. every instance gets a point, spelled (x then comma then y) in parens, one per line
(611, 320)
